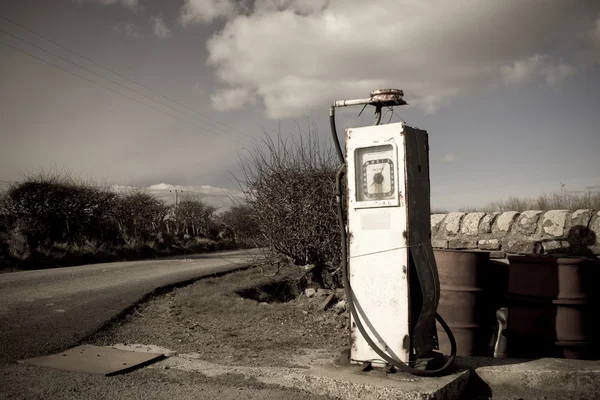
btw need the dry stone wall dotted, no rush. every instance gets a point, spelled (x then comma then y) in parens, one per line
(528, 232)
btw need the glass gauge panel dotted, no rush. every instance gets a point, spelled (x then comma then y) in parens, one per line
(375, 178)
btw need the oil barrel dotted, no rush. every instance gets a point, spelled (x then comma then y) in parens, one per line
(553, 308)
(466, 301)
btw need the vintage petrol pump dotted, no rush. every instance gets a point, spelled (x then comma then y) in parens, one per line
(390, 275)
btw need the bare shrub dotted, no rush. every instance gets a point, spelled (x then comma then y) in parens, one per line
(5, 225)
(17, 244)
(57, 208)
(289, 187)
(55, 220)
(239, 220)
(138, 216)
(193, 216)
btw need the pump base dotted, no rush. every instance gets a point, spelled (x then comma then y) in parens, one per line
(433, 360)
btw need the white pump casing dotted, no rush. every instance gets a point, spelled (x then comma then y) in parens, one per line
(378, 235)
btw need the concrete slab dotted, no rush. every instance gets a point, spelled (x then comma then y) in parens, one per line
(328, 379)
(96, 360)
(545, 378)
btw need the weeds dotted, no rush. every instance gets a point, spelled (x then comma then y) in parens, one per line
(550, 201)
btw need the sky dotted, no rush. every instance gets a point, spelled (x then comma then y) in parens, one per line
(172, 92)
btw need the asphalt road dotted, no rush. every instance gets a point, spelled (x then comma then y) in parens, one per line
(45, 311)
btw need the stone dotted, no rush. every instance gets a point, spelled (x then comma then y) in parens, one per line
(527, 223)
(489, 244)
(554, 222)
(453, 223)
(340, 306)
(581, 218)
(436, 221)
(439, 244)
(497, 254)
(327, 302)
(487, 222)
(470, 224)
(553, 245)
(461, 244)
(505, 220)
(523, 247)
(310, 292)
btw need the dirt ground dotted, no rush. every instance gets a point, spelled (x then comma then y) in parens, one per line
(212, 319)
(245, 318)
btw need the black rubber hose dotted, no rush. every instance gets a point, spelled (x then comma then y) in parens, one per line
(348, 290)
(336, 141)
(377, 115)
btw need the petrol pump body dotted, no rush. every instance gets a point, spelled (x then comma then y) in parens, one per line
(388, 267)
(378, 259)
(381, 225)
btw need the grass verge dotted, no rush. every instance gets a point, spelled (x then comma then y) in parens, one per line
(211, 319)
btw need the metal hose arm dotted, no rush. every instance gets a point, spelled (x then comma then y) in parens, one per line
(336, 141)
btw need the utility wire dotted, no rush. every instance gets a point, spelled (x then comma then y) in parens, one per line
(110, 89)
(123, 76)
(108, 79)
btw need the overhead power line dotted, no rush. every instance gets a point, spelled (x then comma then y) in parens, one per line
(112, 90)
(111, 80)
(121, 75)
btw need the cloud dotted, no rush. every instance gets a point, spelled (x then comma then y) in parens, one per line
(295, 56)
(164, 186)
(205, 11)
(205, 189)
(130, 29)
(159, 28)
(214, 196)
(232, 99)
(217, 197)
(450, 158)
(553, 72)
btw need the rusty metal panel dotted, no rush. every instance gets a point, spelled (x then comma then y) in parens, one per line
(466, 302)
(553, 307)
(96, 360)
(555, 277)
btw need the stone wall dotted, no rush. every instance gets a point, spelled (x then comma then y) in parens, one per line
(529, 232)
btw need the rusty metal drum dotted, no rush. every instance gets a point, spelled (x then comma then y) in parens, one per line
(466, 301)
(553, 307)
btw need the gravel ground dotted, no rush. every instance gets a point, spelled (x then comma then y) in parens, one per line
(208, 318)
